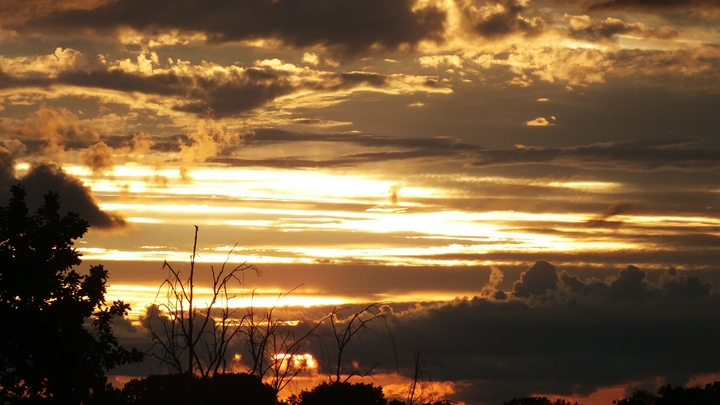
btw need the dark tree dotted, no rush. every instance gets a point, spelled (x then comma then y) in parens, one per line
(180, 389)
(343, 393)
(537, 401)
(669, 395)
(56, 340)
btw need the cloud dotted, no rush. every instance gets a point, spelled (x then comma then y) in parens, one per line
(55, 128)
(539, 122)
(346, 27)
(98, 157)
(556, 334)
(500, 19)
(205, 89)
(386, 149)
(208, 140)
(584, 28)
(539, 278)
(74, 196)
(651, 5)
(618, 208)
(641, 156)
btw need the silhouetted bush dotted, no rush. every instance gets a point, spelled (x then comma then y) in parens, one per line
(537, 401)
(343, 393)
(669, 395)
(180, 389)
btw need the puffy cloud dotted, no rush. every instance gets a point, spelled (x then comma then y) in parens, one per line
(208, 140)
(98, 157)
(54, 128)
(346, 27)
(539, 278)
(496, 20)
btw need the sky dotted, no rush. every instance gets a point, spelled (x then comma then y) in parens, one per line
(528, 189)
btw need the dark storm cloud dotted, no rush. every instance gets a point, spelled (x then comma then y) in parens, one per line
(557, 334)
(641, 156)
(348, 26)
(74, 196)
(650, 5)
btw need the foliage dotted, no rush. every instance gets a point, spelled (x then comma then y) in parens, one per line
(343, 393)
(669, 395)
(220, 389)
(536, 401)
(50, 351)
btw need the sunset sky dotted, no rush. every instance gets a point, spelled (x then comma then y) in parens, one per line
(532, 187)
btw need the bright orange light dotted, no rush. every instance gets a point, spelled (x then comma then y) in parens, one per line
(296, 361)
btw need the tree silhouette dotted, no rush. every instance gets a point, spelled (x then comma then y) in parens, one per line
(343, 393)
(537, 401)
(194, 337)
(56, 341)
(669, 395)
(220, 389)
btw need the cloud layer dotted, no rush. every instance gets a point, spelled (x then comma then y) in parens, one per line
(556, 333)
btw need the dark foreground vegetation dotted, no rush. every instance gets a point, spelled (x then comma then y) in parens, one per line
(57, 342)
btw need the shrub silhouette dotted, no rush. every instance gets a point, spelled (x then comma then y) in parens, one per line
(343, 393)
(220, 389)
(537, 401)
(49, 352)
(669, 395)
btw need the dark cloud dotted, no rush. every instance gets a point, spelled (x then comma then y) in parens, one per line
(74, 196)
(340, 161)
(397, 149)
(237, 93)
(267, 135)
(608, 29)
(650, 5)
(643, 156)
(569, 336)
(618, 208)
(228, 92)
(349, 27)
(505, 20)
(539, 278)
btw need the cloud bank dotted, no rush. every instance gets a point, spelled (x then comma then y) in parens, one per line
(555, 333)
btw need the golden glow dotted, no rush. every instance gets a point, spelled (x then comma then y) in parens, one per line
(295, 201)
(141, 296)
(384, 221)
(296, 361)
